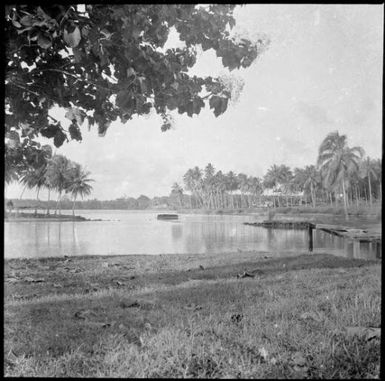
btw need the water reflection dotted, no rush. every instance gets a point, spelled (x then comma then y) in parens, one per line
(348, 247)
(74, 240)
(128, 232)
(59, 238)
(36, 237)
(48, 235)
(176, 231)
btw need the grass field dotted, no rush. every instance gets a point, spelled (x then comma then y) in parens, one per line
(191, 316)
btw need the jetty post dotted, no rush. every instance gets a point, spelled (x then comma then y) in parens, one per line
(310, 235)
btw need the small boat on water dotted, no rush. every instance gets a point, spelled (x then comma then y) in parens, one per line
(167, 217)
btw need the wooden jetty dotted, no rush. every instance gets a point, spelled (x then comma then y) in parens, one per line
(352, 234)
(167, 217)
(283, 224)
(300, 225)
(362, 235)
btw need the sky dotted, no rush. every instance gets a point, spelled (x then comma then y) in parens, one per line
(322, 72)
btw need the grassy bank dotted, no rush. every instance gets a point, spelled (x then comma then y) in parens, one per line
(23, 216)
(191, 316)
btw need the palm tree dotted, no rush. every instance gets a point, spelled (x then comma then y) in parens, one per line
(355, 185)
(220, 187)
(10, 174)
(49, 187)
(34, 178)
(77, 183)
(57, 176)
(299, 180)
(231, 185)
(336, 160)
(255, 187)
(188, 183)
(277, 176)
(243, 184)
(177, 191)
(368, 170)
(378, 171)
(271, 178)
(311, 177)
(194, 183)
(208, 185)
(286, 180)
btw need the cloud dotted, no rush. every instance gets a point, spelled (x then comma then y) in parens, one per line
(315, 114)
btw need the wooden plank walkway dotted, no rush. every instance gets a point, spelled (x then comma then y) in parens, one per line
(361, 235)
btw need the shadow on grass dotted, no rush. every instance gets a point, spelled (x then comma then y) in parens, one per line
(258, 267)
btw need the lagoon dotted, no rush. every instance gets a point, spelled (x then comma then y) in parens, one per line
(126, 232)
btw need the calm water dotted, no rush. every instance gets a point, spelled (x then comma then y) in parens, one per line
(139, 232)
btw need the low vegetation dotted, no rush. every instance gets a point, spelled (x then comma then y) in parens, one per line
(191, 316)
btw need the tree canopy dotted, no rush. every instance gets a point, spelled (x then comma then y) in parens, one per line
(105, 62)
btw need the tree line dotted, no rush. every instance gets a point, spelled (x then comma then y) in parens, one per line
(67, 203)
(341, 173)
(55, 173)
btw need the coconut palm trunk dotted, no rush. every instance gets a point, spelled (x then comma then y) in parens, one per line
(57, 203)
(312, 194)
(370, 190)
(49, 196)
(355, 188)
(25, 187)
(345, 204)
(37, 200)
(73, 206)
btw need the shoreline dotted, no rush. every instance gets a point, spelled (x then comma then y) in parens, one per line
(180, 257)
(23, 217)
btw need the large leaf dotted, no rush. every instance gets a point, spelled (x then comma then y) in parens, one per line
(75, 132)
(13, 139)
(74, 113)
(59, 138)
(219, 104)
(27, 20)
(73, 38)
(50, 131)
(125, 101)
(44, 41)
